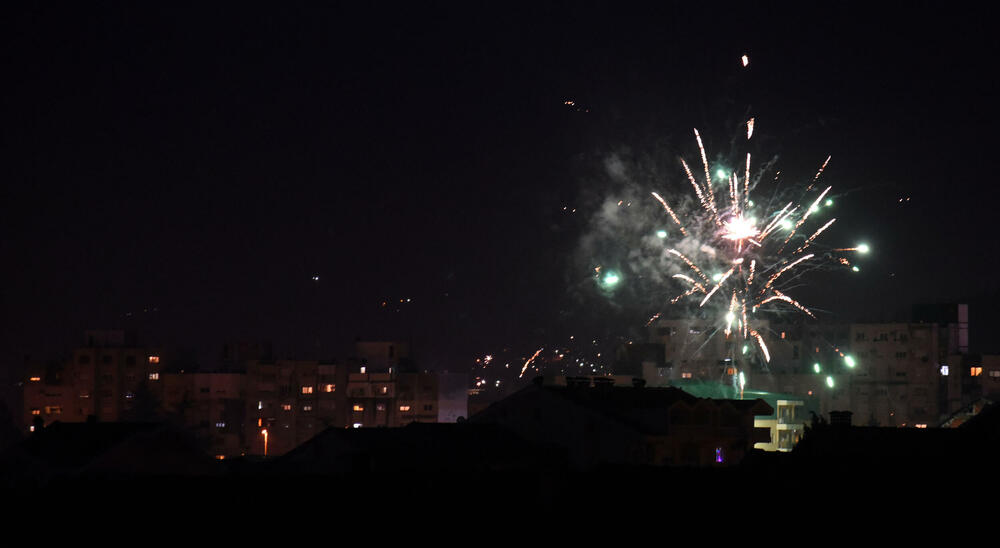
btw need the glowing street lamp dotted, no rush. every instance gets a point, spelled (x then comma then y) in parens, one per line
(264, 433)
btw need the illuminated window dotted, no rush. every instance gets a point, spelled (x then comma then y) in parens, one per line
(358, 407)
(782, 334)
(329, 387)
(718, 450)
(357, 425)
(307, 408)
(944, 370)
(730, 370)
(380, 407)
(31, 428)
(385, 389)
(975, 371)
(260, 422)
(363, 368)
(220, 457)
(154, 376)
(220, 424)
(53, 410)
(154, 359)
(404, 408)
(685, 375)
(286, 406)
(307, 390)
(921, 425)
(36, 411)
(35, 379)
(995, 373)
(84, 395)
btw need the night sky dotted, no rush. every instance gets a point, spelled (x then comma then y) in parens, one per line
(186, 172)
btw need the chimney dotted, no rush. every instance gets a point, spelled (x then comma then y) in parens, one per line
(840, 418)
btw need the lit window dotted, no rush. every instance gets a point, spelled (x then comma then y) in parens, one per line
(220, 457)
(975, 371)
(730, 370)
(154, 359)
(84, 395)
(307, 390)
(380, 407)
(260, 422)
(154, 376)
(53, 410)
(31, 428)
(718, 450)
(357, 425)
(220, 424)
(35, 379)
(358, 407)
(782, 336)
(286, 406)
(944, 370)
(404, 408)
(995, 373)
(307, 408)
(385, 389)
(36, 411)
(363, 368)
(329, 387)
(685, 375)
(260, 404)
(921, 425)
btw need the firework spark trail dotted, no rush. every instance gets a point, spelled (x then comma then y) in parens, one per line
(731, 315)
(779, 296)
(687, 293)
(708, 178)
(722, 280)
(763, 347)
(531, 359)
(749, 128)
(781, 216)
(805, 216)
(690, 264)
(697, 187)
(671, 212)
(744, 317)
(746, 185)
(785, 269)
(818, 173)
(813, 237)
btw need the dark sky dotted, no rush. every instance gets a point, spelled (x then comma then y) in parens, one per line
(185, 171)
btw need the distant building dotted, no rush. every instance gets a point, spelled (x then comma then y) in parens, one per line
(888, 374)
(294, 400)
(209, 405)
(289, 401)
(103, 379)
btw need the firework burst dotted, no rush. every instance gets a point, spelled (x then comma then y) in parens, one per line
(755, 252)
